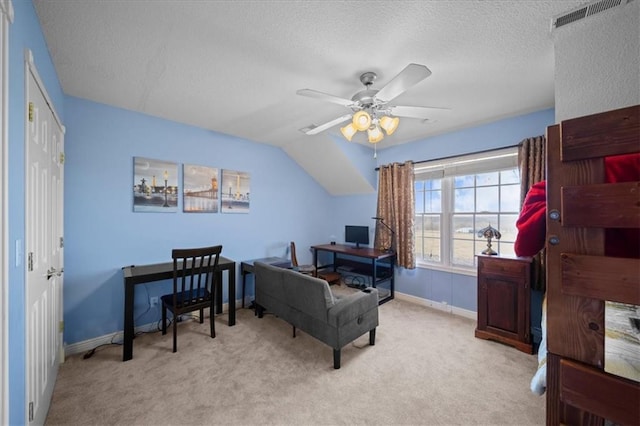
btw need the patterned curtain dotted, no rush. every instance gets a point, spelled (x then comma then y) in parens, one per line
(531, 157)
(396, 206)
(531, 161)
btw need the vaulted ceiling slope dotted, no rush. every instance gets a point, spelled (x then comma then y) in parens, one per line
(235, 66)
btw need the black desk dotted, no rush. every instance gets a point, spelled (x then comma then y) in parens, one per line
(246, 267)
(374, 262)
(140, 274)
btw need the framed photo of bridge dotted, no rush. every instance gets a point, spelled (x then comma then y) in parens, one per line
(155, 185)
(235, 191)
(200, 189)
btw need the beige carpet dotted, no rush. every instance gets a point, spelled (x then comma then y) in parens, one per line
(426, 368)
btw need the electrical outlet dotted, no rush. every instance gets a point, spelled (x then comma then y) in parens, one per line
(153, 301)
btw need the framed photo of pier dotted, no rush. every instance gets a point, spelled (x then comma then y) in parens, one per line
(235, 191)
(200, 189)
(155, 185)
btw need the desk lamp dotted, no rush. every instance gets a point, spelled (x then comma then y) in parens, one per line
(393, 234)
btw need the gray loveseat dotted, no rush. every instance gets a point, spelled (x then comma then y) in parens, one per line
(307, 303)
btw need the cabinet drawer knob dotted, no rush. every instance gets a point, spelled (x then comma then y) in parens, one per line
(554, 214)
(554, 240)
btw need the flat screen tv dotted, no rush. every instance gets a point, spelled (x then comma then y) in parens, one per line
(356, 234)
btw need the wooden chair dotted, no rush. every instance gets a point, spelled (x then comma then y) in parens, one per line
(305, 269)
(194, 286)
(330, 277)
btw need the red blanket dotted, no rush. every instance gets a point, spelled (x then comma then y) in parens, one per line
(531, 223)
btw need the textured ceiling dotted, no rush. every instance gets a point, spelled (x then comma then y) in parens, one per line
(234, 66)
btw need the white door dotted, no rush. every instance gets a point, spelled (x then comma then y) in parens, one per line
(43, 248)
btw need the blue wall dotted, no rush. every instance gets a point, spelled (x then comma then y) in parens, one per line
(498, 134)
(103, 234)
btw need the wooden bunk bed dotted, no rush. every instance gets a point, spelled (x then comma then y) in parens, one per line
(580, 278)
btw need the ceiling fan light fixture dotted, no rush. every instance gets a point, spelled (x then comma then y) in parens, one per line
(361, 120)
(348, 131)
(389, 124)
(371, 109)
(375, 134)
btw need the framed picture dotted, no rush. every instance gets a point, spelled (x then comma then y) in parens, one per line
(622, 339)
(235, 191)
(199, 189)
(155, 185)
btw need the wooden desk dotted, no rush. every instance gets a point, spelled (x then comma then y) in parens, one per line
(374, 260)
(140, 274)
(246, 267)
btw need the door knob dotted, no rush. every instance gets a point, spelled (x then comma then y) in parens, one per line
(51, 272)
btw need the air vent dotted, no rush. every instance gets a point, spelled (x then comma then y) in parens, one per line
(585, 11)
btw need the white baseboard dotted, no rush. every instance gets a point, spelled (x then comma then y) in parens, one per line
(445, 307)
(118, 336)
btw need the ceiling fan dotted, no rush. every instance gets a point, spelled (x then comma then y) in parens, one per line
(371, 110)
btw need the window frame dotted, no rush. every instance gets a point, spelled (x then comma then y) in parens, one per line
(446, 170)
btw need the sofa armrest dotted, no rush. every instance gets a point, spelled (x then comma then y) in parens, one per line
(350, 307)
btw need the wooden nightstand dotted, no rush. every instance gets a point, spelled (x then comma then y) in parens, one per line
(504, 286)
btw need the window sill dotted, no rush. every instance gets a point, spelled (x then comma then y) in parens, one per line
(454, 270)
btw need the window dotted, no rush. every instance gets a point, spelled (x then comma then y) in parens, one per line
(457, 197)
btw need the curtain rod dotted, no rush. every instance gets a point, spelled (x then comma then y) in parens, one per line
(459, 155)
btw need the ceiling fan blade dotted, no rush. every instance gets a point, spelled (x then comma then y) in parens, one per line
(325, 97)
(411, 75)
(313, 129)
(418, 112)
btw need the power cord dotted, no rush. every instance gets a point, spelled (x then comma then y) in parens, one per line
(91, 352)
(354, 281)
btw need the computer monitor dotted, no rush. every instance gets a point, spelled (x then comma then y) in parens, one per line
(356, 234)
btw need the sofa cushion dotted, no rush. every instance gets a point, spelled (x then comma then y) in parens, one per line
(307, 294)
(353, 306)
